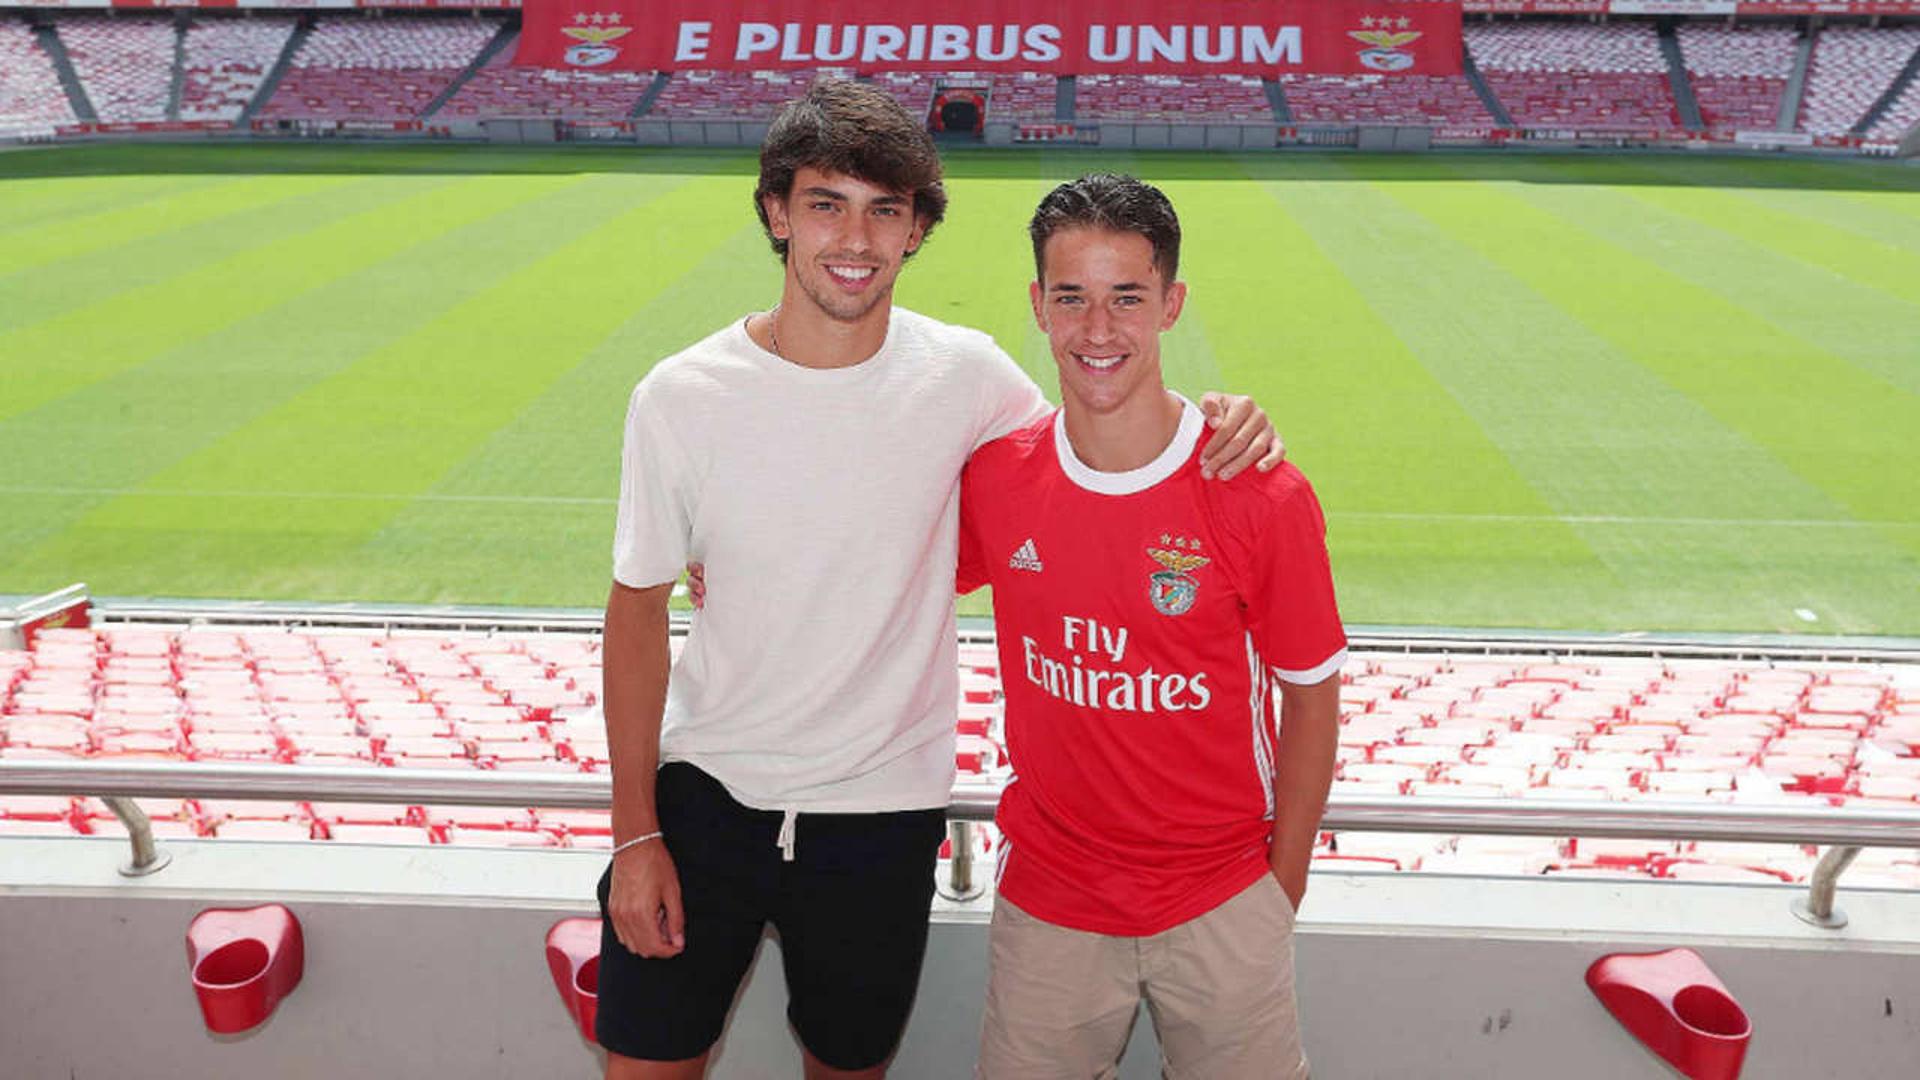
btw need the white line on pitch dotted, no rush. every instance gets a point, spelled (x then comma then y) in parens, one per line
(1609, 519)
(564, 500)
(342, 496)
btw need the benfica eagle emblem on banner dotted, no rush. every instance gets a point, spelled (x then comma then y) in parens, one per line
(595, 35)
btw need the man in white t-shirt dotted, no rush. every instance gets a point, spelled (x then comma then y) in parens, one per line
(796, 766)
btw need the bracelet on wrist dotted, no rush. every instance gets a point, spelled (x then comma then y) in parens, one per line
(637, 841)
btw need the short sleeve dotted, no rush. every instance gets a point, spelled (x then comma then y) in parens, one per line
(651, 533)
(1291, 611)
(971, 572)
(1009, 400)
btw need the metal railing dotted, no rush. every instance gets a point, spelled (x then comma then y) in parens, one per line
(1411, 641)
(1843, 831)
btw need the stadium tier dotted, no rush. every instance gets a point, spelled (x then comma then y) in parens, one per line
(914, 90)
(376, 69)
(1576, 75)
(1614, 729)
(756, 95)
(1403, 99)
(1738, 72)
(1028, 98)
(1548, 74)
(1901, 116)
(733, 95)
(31, 100)
(1193, 99)
(125, 63)
(500, 90)
(224, 61)
(1852, 67)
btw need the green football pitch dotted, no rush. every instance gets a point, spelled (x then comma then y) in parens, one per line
(1630, 392)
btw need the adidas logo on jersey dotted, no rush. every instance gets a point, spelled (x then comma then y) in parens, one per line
(1027, 558)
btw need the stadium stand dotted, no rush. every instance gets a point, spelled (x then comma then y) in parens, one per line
(31, 100)
(1571, 75)
(733, 95)
(225, 61)
(914, 90)
(1190, 99)
(1901, 116)
(1616, 729)
(501, 90)
(1028, 97)
(1852, 67)
(1564, 75)
(1738, 72)
(355, 68)
(125, 62)
(755, 95)
(1402, 99)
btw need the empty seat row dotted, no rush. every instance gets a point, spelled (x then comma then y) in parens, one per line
(1738, 72)
(1401, 99)
(501, 90)
(1175, 99)
(383, 69)
(1852, 67)
(224, 62)
(1576, 75)
(31, 98)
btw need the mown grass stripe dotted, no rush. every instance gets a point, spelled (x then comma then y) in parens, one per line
(59, 355)
(96, 277)
(1863, 209)
(143, 419)
(479, 359)
(1819, 416)
(1588, 426)
(1444, 552)
(1853, 255)
(470, 538)
(1860, 325)
(67, 238)
(1376, 425)
(30, 204)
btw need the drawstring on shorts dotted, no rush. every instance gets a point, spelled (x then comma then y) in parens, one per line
(785, 840)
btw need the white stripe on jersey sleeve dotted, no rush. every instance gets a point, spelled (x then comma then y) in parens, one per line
(1257, 713)
(1315, 673)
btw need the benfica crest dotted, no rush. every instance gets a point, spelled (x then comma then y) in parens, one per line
(594, 35)
(1386, 53)
(1173, 588)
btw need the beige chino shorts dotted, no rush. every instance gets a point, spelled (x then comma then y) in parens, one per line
(1219, 987)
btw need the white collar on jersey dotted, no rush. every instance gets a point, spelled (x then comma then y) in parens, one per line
(1185, 438)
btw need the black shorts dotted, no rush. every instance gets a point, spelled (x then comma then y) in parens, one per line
(851, 911)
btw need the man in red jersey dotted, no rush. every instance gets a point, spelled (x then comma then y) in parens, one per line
(1158, 828)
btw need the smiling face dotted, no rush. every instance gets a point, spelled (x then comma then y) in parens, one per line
(1103, 306)
(846, 239)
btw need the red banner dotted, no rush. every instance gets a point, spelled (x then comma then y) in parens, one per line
(1206, 37)
(278, 5)
(1476, 7)
(1693, 7)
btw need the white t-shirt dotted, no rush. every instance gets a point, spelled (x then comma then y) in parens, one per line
(821, 675)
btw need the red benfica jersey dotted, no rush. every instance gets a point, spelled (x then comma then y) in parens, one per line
(1141, 617)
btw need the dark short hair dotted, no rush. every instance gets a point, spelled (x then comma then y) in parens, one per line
(857, 130)
(1114, 202)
